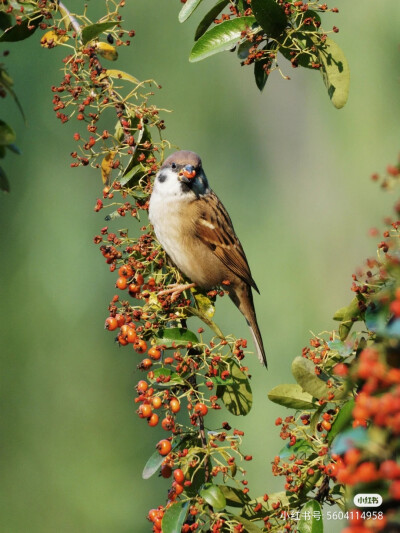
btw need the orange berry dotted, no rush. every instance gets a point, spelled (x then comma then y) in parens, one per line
(395, 308)
(175, 405)
(145, 410)
(131, 335)
(170, 360)
(139, 279)
(153, 420)
(142, 386)
(120, 319)
(122, 340)
(201, 409)
(156, 402)
(133, 289)
(164, 447)
(121, 283)
(155, 353)
(125, 271)
(152, 514)
(111, 323)
(140, 346)
(146, 364)
(168, 423)
(326, 425)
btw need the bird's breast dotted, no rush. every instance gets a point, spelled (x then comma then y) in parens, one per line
(175, 230)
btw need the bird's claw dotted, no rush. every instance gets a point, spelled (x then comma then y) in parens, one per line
(176, 289)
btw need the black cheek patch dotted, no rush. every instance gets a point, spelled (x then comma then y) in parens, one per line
(162, 177)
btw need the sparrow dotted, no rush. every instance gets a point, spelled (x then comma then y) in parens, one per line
(195, 230)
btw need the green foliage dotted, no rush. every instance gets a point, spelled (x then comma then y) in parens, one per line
(92, 31)
(220, 38)
(175, 517)
(266, 27)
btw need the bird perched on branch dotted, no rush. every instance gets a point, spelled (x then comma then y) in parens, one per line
(196, 231)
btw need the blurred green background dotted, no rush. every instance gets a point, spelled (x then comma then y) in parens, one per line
(294, 174)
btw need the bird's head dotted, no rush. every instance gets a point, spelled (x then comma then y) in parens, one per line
(182, 174)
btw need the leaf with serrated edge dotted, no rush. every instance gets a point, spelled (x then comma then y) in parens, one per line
(188, 7)
(293, 396)
(219, 38)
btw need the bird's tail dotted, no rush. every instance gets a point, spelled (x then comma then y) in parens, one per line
(243, 299)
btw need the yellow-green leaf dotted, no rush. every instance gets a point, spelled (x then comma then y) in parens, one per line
(121, 75)
(51, 39)
(335, 71)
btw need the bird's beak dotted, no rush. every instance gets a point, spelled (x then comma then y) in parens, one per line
(187, 174)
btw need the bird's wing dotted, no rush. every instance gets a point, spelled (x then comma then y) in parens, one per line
(214, 228)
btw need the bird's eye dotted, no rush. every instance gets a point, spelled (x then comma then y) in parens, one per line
(173, 165)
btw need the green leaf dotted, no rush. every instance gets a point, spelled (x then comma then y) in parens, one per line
(176, 337)
(260, 75)
(7, 134)
(155, 460)
(234, 497)
(22, 31)
(312, 521)
(213, 495)
(219, 38)
(4, 183)
(304, 372)
(93, 30)
(209, 18)
(153, 465)
(335, 71)
(237, 398)
(293, 396)
(297, 42)
(270, 16)
(302, 446)
(249, 526)
(5, 20)
(188, 7)
(174, 517)
(342, 421)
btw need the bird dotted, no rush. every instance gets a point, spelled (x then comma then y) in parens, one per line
(195, 230)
